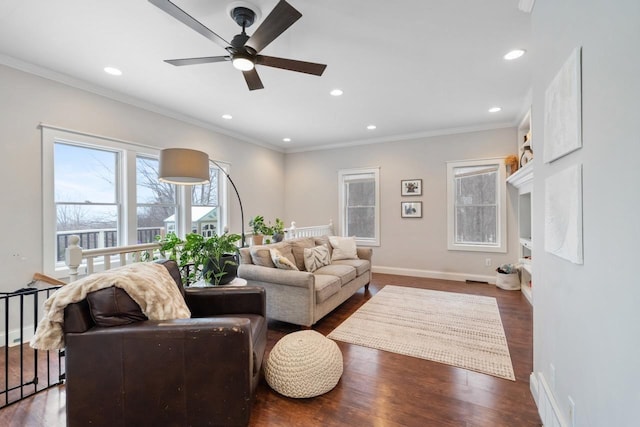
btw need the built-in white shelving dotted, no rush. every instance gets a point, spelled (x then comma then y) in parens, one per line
(522, 179)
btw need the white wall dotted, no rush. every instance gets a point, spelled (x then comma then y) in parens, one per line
(27, 100)
(587, 317)
(408, 246)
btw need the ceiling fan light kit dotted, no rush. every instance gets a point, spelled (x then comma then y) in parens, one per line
(244, 50)
(242, 62)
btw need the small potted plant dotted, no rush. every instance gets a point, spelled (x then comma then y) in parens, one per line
(267, 232)
(257, 223)
(214, 259)
(278, 231)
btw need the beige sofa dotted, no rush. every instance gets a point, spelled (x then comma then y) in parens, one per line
(301, 297)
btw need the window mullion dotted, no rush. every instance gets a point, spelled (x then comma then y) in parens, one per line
(127, 199)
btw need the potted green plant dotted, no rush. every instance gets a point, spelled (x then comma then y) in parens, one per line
(257, 224)
(267, 231)
(278, 231)
(214, 259)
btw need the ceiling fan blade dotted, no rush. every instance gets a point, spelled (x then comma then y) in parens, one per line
(253, 79)
(281, 17)
(195, 61)
(189, 21)
(291, 64)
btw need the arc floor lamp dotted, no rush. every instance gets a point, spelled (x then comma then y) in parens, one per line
(183, 166)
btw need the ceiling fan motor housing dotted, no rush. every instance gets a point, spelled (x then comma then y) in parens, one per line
(243, 16)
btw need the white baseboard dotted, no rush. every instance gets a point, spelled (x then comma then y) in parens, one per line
(460, 277)
(548, 408)
(533, 387)
(14, 336)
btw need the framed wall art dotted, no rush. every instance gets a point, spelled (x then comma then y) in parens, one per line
(411, 187)
(411, 209)
(563, 110)
(563, 214)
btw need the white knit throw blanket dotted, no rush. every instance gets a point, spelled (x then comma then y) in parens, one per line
(148, 284)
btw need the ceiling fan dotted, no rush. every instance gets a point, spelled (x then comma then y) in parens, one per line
(244, 50)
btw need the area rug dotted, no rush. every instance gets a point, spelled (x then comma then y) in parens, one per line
(456, 329)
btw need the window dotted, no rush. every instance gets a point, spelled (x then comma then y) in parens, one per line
(205, 215)
(359, 193)
(156, 201)
(87, 200)
(108, 193)
(476, 201)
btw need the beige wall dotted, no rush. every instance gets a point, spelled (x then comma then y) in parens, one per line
(413, 246)
(27, 100)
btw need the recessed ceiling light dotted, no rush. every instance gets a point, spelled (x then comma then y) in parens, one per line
(514, 54)
(286, 139)
(371, 127)
(336, 92)
(227, 116)
(494, 109)
(113, 71)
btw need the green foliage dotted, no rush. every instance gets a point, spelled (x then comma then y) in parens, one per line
(274, 231)
(199, 252)
(269, 231)
(260, 227)
(257, 223)
(279, 227)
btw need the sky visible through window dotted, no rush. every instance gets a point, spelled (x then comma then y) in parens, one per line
(84, 174)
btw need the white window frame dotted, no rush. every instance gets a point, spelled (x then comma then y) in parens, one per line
(127, 191)
(501, 224)
(343, 176)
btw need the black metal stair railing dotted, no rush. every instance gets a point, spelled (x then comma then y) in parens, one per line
(26, 371)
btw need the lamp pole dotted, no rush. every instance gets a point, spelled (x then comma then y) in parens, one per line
(239, 200)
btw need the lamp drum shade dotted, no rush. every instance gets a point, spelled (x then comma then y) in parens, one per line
(183, 166)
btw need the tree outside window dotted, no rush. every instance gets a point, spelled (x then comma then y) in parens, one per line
(476, 205)
(360, 205)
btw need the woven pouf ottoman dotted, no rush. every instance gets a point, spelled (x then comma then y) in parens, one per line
(303, 364)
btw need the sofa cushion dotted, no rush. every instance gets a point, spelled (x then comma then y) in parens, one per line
(343, 248)
(298, 246)
(316, 257)
(345, 273)
(361, 265)
(113, 307)
(280, 261)
(326, 286)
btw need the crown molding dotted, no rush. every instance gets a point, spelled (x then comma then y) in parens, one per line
(126, 99)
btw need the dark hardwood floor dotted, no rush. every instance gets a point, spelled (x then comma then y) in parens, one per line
(379, 388)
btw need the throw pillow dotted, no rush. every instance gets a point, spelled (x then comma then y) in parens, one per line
(317, 257)
(343, 248)
(280, 261)
(298, 246)
(323, 240)
(260, 256)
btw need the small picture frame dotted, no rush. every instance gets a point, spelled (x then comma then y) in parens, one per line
(411, 187)
(411, 209)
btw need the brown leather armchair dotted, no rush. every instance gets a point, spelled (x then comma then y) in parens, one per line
(128, 371)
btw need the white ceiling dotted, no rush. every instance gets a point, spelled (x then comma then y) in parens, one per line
(411, 67)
